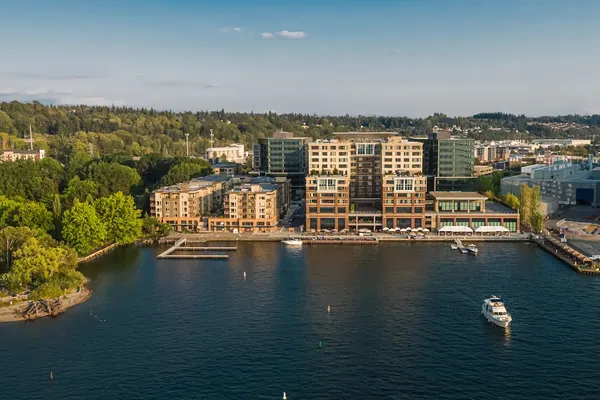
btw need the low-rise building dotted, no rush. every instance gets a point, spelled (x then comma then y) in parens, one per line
(227, 168)
(251, 207)
(14, 155)
(184, 205)
(469, 209)
(480, 170)
(234, 153)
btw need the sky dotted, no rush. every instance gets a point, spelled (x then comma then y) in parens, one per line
(376, 57)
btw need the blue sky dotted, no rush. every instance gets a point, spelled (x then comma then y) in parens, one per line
(401, 57)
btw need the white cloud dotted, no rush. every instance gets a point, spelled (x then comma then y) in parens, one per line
(235, 29)
(267, 35)
(292, 35)
(7, 91)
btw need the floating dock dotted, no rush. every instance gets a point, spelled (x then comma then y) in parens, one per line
(461, 247)
(198, 256)
(178, 246)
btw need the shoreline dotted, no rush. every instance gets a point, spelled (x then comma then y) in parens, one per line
(14, 313)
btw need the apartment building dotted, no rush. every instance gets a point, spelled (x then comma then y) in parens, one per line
(14, 155)
(184, 205)
(365, 180)
(251, 207)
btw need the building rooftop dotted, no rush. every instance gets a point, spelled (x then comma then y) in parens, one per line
(226, 165)
(457, 196)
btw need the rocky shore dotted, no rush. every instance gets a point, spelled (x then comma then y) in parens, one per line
(30, 309)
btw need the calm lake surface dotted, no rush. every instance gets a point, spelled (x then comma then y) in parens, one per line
(405, 323)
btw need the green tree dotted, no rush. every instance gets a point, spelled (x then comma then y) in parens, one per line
(153, 229)
(82, 229)
(525, 200)
(185, 171)
(513, 201)
(6, 124)
(112, 177)
(80, 190)
(25, 213)
(11, 238)
(537, 222)
(121, 218)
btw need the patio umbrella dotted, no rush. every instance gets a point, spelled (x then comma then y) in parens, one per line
(425, 230)
(386, 229)
(408, 229)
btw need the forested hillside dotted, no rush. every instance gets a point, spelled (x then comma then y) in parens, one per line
(67, 130)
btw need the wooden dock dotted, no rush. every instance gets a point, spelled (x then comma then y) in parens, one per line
(461, 247)
(178, 246)
(340, 241)
(198, 256)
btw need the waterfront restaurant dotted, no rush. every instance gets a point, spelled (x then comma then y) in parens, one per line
(468, 209)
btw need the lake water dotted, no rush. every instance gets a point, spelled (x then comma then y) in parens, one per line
(405, 323)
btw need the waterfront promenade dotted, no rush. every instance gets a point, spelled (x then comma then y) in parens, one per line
(381, 237)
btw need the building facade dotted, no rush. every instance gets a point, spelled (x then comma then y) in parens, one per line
(282, 155)
(448, 162)
(469, 209)
(184, 205)
(252, 207)
(365, 182)
(14, 155)
(234, 153)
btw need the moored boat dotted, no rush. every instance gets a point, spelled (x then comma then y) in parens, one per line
(292, 242)
(494, 311)
(472, 249)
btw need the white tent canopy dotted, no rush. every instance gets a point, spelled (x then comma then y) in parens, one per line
(456, 229)
(491, 229)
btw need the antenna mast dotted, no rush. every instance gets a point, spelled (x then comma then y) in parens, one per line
(211, 138)
(30, 139)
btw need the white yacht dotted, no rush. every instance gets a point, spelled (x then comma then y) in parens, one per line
(454, 246)
(292, 242)
(494, 311)
(472, 249)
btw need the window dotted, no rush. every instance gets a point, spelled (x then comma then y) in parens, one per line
(327, 210)
(367, 149)
(312, 210)
(327, 185)
(341, 210)
(404, 185)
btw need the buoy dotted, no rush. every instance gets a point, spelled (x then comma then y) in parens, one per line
(328, 308)
(244, 274)
(284, 396)
(51, 376)
(320, 344)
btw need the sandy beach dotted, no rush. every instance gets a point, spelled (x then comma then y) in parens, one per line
(13, 313)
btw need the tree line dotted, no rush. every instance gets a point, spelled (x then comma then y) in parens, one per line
(53, 212)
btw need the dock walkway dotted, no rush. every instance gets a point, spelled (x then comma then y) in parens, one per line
(178, 246)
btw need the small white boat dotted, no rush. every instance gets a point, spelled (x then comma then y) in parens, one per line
(454, 246)
(472, 249)
(292, 242)
(494, 311)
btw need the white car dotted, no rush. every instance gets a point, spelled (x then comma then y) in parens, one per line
(596, 257)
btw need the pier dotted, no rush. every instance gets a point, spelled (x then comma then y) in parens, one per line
(562, 251)
(461, 247)
(178, 246)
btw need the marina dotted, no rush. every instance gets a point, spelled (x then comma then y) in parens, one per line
(179, 251)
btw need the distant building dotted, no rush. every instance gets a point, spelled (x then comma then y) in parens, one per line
(227, 168)
(282, 155)
(233, 153)
(480, 170)
(14, 155)
(560, 184)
